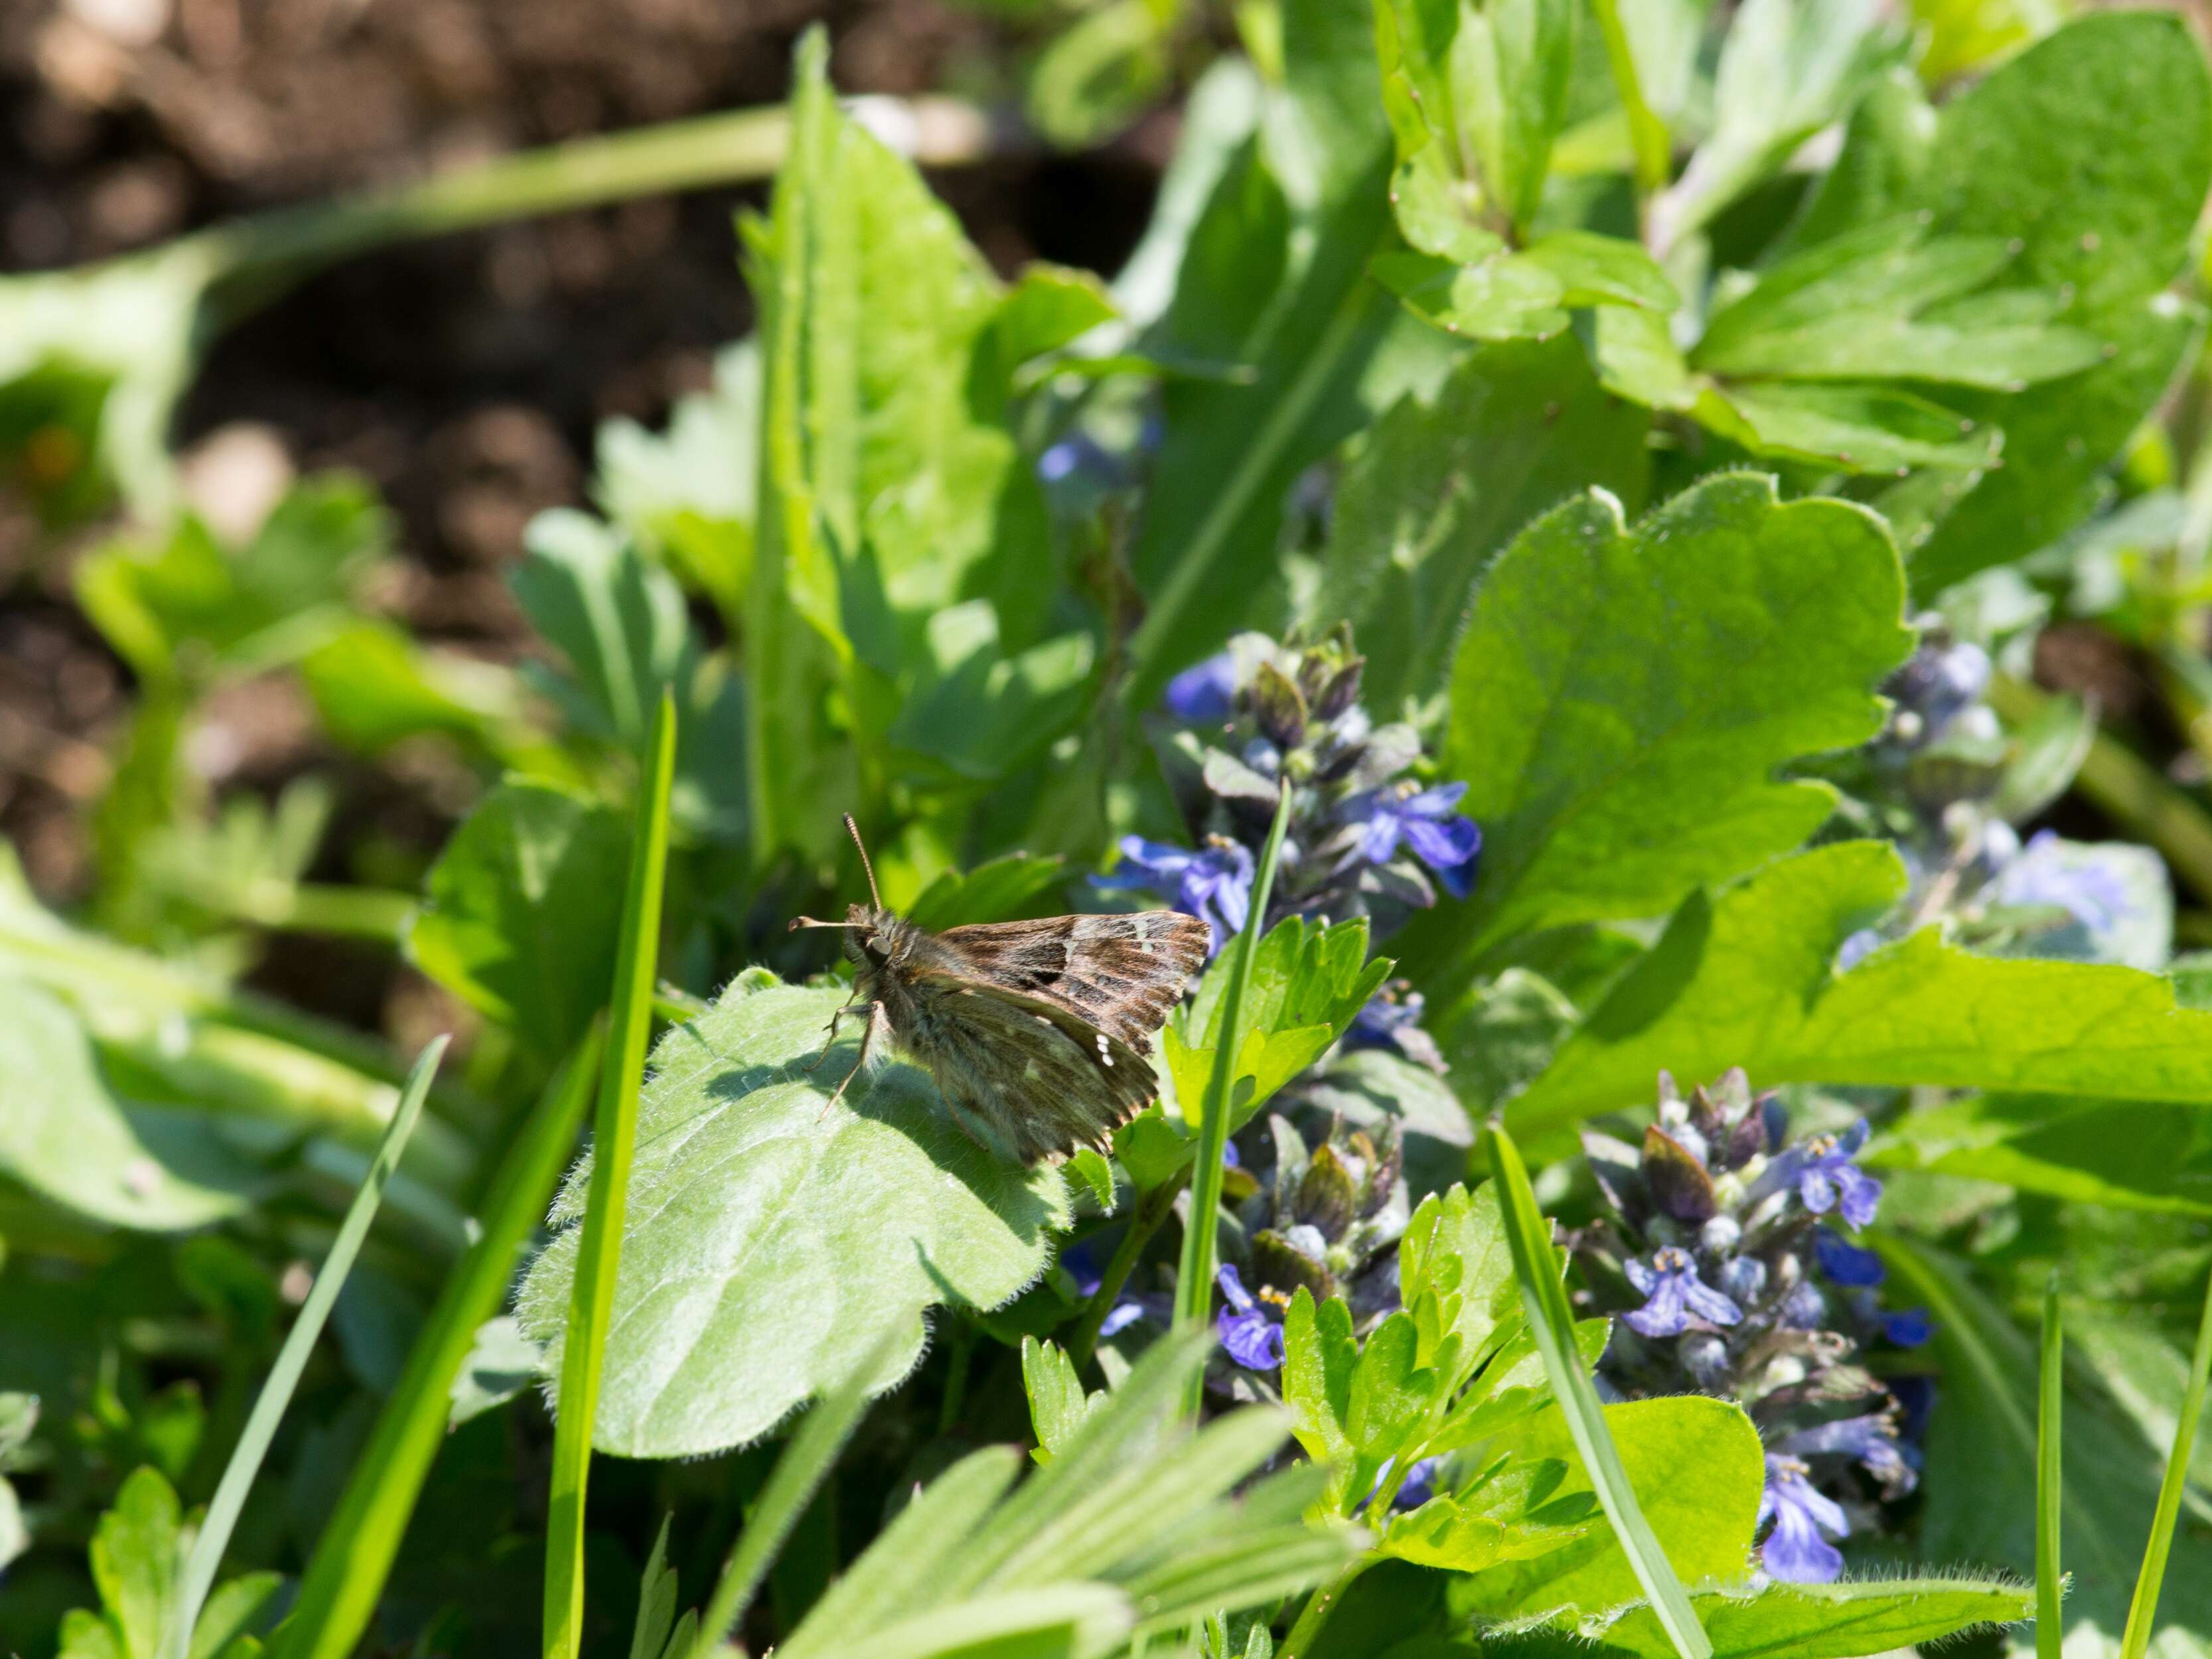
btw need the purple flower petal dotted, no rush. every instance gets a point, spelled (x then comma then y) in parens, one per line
(1441, 846)
(1845, 1262)
(1205, 692)
(1794, 1552)
(1120, 1317)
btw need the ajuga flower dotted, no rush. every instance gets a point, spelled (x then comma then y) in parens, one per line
(1214, 884)
(1251, 1331)
(1329, 1220)
(1731, 1278)
(1367, 836)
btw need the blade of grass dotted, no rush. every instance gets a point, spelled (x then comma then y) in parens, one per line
(1194, 1279)
(268, 1411)
(2050, 1478)
(2143, 1610)
(798, 1475)
(591, 1303)
(1529, 1236)
(352, 1559)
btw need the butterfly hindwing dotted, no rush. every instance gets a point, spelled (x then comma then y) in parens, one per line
(1038, 1078)
(1121, 974)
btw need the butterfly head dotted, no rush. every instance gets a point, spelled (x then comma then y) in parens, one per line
(873, 935)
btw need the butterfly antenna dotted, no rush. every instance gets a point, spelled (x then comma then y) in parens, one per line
(853, 829)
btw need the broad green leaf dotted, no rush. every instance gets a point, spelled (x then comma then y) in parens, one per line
(1747, 979)
(1004, 889)
(1622, 697)
(522, 910)
(65, 1134)
(1503, 1035)
(500, 1362)
(1045, 1621)
(375, 684)
(233, 1612)
(619, 622)
(1980, 1470)
(1804, 1621)
(2092, 148)
(1274, 275)
(844, 1222)
(2141, 1370)
(2141, 1155)
(1967, 35)
(1703, 1523)
(1320, 1355)
(1439, 485)
(1456, 1273)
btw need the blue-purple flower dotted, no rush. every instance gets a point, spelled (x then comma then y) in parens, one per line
(1674, 1295)
(1447, 842)
(1795, 1551)
(1084, 1270)
(1869, 1440)
(1908, 1328)
(1827, 1179)
(2093, 894)
(1213, 884)
(1252, 1335)
(1206, 692)
(1845, 1262)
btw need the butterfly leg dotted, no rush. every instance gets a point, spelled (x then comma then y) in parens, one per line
(868, 1042)
(829, 1041)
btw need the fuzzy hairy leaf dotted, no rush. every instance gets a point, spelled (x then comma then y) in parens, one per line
(1623, 695)
(769, 1241)
(1747, 979)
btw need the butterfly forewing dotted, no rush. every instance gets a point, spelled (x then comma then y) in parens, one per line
(1122, 973)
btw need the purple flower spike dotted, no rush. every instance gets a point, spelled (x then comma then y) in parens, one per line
(1870, 1441)
(1205, 692)
(1214, 884)
(1449, 843)
(1674, 1295)
(1795, 1551)
(1377, 1024)
(1254, 1339)
(1827, 1179)
(1845, 1262)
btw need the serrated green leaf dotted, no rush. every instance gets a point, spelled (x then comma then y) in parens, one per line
(1003, 890)
(522, 910)
(846, 1221)
(1622, 697)
(1805, 1621)
(2092, 148)
(1058, 1402)
(1748, 979)
(137, 1555)
(1512, 1512)
(1892, 302)
(1439, 485)
(1860, 428)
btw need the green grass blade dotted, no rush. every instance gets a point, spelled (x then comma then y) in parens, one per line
(2143, 1610)
(1529, 1236)
(1647, 133)
(798, 1475)
(353, 1558)
(591, 1304)
(2050, 1478)
(268, 1411)
(1195, 1277)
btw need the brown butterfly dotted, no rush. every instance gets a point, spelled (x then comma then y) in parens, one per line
(1038, 1033)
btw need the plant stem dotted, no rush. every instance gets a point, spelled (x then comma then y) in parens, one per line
(1152, 1209)
(732, 147)
(1321, 1603)
(2129, 791)
(1195, 1277)
(1647, 133)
